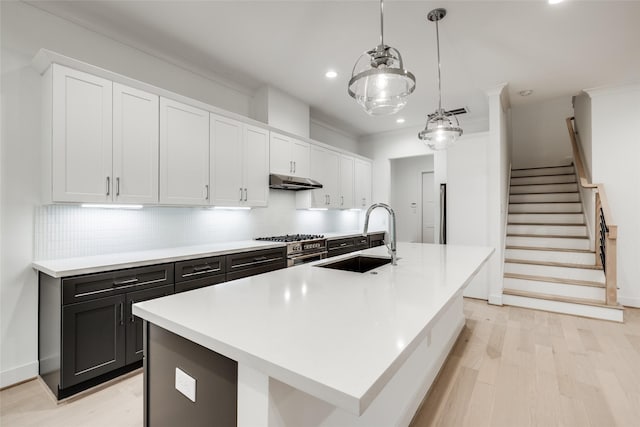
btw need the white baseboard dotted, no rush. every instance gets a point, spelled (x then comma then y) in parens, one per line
(629, 301)
(495, 299)
(18, 374)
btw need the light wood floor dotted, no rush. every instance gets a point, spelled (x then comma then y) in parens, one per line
(511, 367)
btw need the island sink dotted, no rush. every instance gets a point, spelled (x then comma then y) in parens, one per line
(358, 263)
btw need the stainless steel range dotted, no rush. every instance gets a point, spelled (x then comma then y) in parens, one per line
(301, 248)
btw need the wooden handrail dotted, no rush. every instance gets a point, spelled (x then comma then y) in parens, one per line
(606, 232)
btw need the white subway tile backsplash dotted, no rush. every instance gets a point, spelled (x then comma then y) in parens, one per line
(64, 231)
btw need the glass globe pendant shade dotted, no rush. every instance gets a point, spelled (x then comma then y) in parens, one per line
(379, 83)
(441, 132)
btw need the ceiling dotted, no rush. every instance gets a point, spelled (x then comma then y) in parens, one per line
(556, 50)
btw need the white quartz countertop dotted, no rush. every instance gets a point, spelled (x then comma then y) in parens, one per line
(66, 267)
(337, 335)
(99, 263)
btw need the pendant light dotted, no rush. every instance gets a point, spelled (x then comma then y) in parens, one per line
(379, 82)
(441, 131)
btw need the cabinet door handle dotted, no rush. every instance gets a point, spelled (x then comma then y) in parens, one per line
(108, 185)
(245, 194)
(131, 319)
(294, 167)
(240, 193)
(341, 200)
(329, 196)
(206, 187)
(121, 314)
(117, 186)
(290, 166)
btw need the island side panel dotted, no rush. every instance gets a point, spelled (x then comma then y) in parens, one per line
(399, 399)
(215, 376)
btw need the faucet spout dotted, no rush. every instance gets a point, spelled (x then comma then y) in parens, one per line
(392, 228)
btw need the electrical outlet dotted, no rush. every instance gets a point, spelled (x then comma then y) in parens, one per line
(186, 384)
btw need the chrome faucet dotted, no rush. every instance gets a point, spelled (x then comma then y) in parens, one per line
(392, 228)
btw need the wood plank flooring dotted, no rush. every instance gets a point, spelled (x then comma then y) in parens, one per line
(510, 367)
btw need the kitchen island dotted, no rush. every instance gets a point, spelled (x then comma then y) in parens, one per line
(310, 345)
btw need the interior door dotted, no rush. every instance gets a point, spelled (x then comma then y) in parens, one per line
(428, 208)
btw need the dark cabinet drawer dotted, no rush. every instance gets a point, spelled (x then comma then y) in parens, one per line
(376, 240)
(246, 264)
(340, 246)
(92, 286)
(199, 283)
(199, 268)
(361, 242)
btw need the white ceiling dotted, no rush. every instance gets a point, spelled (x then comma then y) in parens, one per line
(556, 50)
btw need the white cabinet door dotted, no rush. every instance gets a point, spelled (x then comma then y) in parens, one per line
(256, 166)
(135, 145)
(316, 198)
(300, 158)
(363, 180)
(332, 178)
(81, 137)
(184, 154)
(280, 161)
(226, 161)
(346, 182)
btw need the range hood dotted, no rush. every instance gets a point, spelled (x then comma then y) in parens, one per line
(284, 182)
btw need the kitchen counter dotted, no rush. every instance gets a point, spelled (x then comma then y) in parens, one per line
(100, 263)
(338, 338)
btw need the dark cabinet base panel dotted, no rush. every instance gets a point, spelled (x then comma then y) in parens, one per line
(99, 380)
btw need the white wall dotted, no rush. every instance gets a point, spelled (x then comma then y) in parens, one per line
(406, 195)
(281, 110)
(540, 134)
(323, 132)
(71, 231)
(615, 119)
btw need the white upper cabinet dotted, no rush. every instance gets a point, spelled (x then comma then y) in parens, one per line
(135, 145)
(184, 154)
(324, 168)
(256, 166)
(289, 156)
(239, 163)
(81, 139)
(346, 182)
(362, 181)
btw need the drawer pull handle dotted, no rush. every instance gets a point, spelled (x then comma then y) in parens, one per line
(125, 282)
(121, 314)
(256, 261)
(131, 319)
(201, 267)
(343, 244)
(197, 273)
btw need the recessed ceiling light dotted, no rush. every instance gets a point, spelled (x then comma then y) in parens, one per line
(526, 92)
(555, 1)
(331, 74)
(400, 120)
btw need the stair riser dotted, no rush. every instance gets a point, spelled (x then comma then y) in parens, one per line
(550, 179)
(559, 289)
(545, 188)
(552, 256)
(552, 271)
(545, 207)
(548, 242)
(554, 230)
(547, 218)
(541, 171)
(564, 307)
(551, 197)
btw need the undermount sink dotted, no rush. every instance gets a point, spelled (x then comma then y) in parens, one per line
(358, 263)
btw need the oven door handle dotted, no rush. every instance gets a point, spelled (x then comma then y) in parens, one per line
(323, 254)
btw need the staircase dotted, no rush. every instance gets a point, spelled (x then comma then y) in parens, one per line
(549, 263)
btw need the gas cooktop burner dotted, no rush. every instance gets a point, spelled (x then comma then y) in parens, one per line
(292, 237)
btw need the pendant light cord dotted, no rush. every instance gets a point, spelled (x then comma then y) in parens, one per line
(439, 84)
(381, 23)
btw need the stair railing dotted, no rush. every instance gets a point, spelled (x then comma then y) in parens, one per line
(606, 232)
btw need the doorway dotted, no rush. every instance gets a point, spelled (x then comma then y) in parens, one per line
(428, 208)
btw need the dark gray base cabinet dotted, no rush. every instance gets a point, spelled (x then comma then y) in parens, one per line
(346, 245)
(87, 331)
